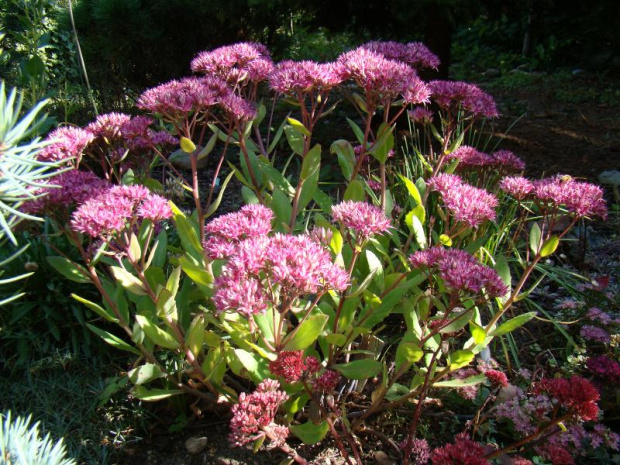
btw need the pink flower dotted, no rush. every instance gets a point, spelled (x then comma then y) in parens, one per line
(460, 270)
(177, 98)
(301, 77)
(155, 208)
(517, 186)
(419, 451)
(237, 108)
(363, 218)
(292, 365)
(415, 54)
(594, 333)
(66, 190)
(605, 368)
(109, 125)
(235, 63)
(596, 314)
(580, 198)
(466, 392)
(466, 203)
(382, 78)
(65, 142)
(245, 296)
(505, 160)
(114, 209)
(255, 413)
(496, 377)
(454, 95)
(421, 115)
(464, 451)
(328, 381)
(470, 157)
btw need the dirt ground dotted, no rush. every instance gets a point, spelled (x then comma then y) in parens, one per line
(552, 131)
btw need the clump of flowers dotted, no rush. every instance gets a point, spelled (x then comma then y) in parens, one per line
(517, 186)
(419, 451)
(364, 219)
(604, 368)
(224, 232)
(415, 54)
(582, 199)
(576, 395)
(65, 143)
(464, 451)
(301, 77)
(459, 271)
(253, 417)
(292, 366)
(467, 204)
(421, 115)
(594, 333)
(455, 95)
(117, 209)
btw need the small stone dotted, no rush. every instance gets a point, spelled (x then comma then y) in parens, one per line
(491, 73)
(577, 71)
(381, 458)
(196, 445)
(611, 178)
(180, 159)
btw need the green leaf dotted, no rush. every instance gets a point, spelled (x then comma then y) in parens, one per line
(408, 352)
(71, 271)
(145, 374)
(195, 335)
(381, 148)
(550, 246)
(96, 308)
(460, 358)
(360, 369)
(455, 383)
(414, 193)
(281, 206)
(512, 324)
(295, 140)
(298, 126)
(311, 163)
(153, 395)
(156, 334)
(187, 145)
(113, 340)
(503, 270)
(127, 280)
(355, 191)
(276, 177)
(196, 273)
(307, 333)
(346, 157)
(166, 305)
(256, 366)
(216, 203)
(187, 231)
(457, 320)
(478, 333)
(416, 226)
(535, 238)
(310, 433)
(359, 134)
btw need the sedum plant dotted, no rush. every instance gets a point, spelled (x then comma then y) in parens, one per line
(338, 305)
(21, 444)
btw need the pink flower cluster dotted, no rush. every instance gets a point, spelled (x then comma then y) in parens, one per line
(460, 271)
(292, 365)
(464, 451)
(383, 78)
(580, 198)
(517, 186)
(68, 189)
(466, 203)
(262, 271)
(236, 64)
(421, 115)
(254, 415)
(302, 77)
(415, 54)
(226, 231)
(64, 143)
(419, 451)
(604, 368)
(117, 208)
(455, 95)
(502, 160)
(363, 218)
(594, 333)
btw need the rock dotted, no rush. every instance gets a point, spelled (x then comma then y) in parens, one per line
(180, 159)
(381, 458)
(491, 73)
(196, 445)
(611, 178)
(577, 71)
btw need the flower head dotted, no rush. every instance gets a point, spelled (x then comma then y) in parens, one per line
(415, 54)
(460, 270)
(116, 208)
(255, 412)
(328, 381)
(292, 365)
(594, 333)
(576, 394)
(580, 198)
(604, 368)
(237, 63)
(419, 451)
(456, 94)
(466, 203)
(464, 451)
(64, 143)
(517, 186)
(363, 218)
(300, 77)
(421, 115)
(109, 126)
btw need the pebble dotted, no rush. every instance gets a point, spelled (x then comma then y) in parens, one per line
(195, 445)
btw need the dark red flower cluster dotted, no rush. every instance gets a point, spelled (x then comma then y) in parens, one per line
(464, 451)
(291, 365)
(496, 377)
(576, 394)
